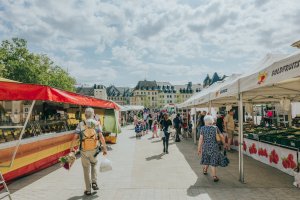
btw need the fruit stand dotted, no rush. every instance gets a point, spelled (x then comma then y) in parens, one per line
(275, 79)
(39, 134)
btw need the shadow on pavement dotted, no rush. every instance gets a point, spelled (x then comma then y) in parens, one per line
(24, 181)
(257, 174)
(84, 197)
(156, 141)
(155, 157)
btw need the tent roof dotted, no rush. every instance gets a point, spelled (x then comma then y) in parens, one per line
(131, 107)
(274, 77)
(22, 91)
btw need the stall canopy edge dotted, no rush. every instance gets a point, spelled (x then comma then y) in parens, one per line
(21, 91)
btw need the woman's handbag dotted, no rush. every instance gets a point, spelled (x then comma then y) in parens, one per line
(218, 137)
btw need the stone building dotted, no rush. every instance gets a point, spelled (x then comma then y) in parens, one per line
(145, 93)
(215, 78)
(120, 95)
(97, 91)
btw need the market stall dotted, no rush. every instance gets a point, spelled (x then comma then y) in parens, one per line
(128, 112)
(275, 80)
(37, 125)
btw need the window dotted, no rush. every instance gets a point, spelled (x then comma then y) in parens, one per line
(148, 93)
(152, 98)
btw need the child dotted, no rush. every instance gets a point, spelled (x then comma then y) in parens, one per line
(139, 129)
(155, 129)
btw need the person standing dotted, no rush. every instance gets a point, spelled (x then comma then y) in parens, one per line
(203, 114)
(155, 129)
(177, 125)
(229, 127)
(166, 123)
(89, 132)
(198, 124)
(150, 121)
(220, 122)
(135, 120)
(145, 117)
(208, 148)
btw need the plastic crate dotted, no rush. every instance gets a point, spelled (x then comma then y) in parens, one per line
(285, 141)
(294, 143)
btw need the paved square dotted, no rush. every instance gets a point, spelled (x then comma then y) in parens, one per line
(141, 171)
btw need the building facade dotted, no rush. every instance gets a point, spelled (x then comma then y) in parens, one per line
(152, 94)
(97, 91)
(145, 94)
(120, 95)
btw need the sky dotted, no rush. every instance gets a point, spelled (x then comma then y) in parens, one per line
(121, 42)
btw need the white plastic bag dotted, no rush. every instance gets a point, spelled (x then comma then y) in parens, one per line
(161, 133)
(105, 165)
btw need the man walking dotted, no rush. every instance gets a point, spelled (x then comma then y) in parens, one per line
(166, 123)
(89, 132)
(229, 126)
(177, 125)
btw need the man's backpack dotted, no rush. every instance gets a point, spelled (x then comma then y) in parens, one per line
(88, 139)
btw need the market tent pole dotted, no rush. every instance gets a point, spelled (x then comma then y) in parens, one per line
(195, 124)
(252, 115)
(290, 115)
(241, 138)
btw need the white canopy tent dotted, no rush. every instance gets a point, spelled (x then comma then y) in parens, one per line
(275, 78)
(131, 108)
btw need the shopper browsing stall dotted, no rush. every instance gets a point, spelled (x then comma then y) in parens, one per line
(229, 127)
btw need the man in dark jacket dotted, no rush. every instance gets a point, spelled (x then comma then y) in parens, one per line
(166, 123)
(177, 125)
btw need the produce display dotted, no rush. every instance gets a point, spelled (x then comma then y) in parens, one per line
(289, 137)
(296, 122)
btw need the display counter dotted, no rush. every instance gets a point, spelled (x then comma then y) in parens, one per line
(278, 148)
(34, 153)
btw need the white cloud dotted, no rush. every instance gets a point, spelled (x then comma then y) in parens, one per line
(135, 38)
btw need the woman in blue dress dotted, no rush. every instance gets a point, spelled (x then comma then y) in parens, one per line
(208, 148)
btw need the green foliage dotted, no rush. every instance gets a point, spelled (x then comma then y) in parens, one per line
(18, 63)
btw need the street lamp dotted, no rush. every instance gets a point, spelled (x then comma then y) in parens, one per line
(296, 44)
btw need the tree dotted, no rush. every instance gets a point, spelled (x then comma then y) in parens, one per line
(18, 63)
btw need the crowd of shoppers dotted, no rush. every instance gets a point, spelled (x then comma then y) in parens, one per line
(212, 143)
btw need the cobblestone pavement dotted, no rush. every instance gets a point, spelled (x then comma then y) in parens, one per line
(141, 171)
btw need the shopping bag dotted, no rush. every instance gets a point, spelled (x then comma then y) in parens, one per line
(105, 165)
(162, 134)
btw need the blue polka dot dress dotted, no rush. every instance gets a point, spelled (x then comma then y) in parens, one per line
(211, 154)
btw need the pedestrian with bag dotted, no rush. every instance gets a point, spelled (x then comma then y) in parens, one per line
(166, 124)
(89, 132)
(208, 148)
